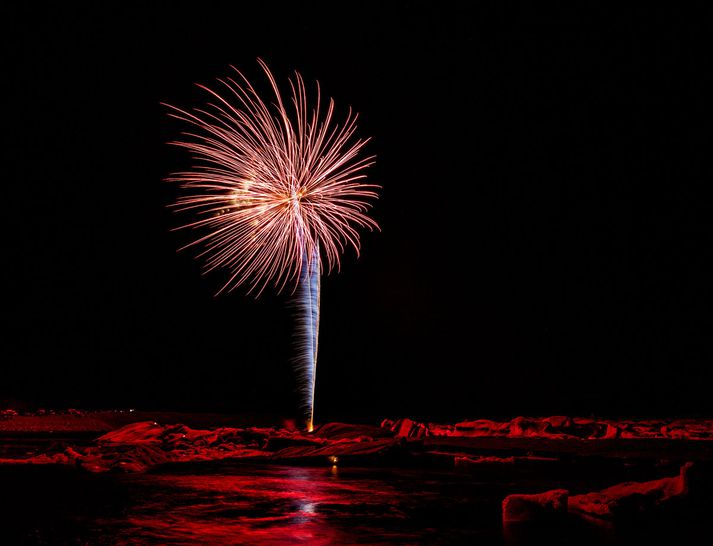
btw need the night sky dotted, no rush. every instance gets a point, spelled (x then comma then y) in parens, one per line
(546, 230)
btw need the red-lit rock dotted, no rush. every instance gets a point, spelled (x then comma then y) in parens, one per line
(144, 444)
(538, 507)
(467, 462)
(340, 431)
(559, 427)
(480, 427)
(632, 498)
(339, 449)
(145, 432)
(8, 413)
(406, 428)
(463, 461)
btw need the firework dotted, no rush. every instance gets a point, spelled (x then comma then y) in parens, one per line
(277, 192)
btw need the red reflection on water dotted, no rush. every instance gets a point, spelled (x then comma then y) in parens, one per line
(296, 506)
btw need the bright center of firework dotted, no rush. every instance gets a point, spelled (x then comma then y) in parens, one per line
(239, 195)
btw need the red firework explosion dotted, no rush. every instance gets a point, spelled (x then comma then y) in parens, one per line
(271, 187)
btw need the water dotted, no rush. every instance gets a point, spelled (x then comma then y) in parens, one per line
(301, 505)
(276, 505)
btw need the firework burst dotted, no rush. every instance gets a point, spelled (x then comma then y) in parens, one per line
(277, 192)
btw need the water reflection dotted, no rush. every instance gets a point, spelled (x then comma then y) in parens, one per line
(268, 505)
(252, 504)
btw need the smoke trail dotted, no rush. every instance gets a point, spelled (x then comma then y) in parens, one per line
(307, 302)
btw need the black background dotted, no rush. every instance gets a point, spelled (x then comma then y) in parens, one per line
(546, 243)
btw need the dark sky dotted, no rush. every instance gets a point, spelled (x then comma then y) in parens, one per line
(547, 236)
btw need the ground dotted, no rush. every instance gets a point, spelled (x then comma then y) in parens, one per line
(590, 480)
